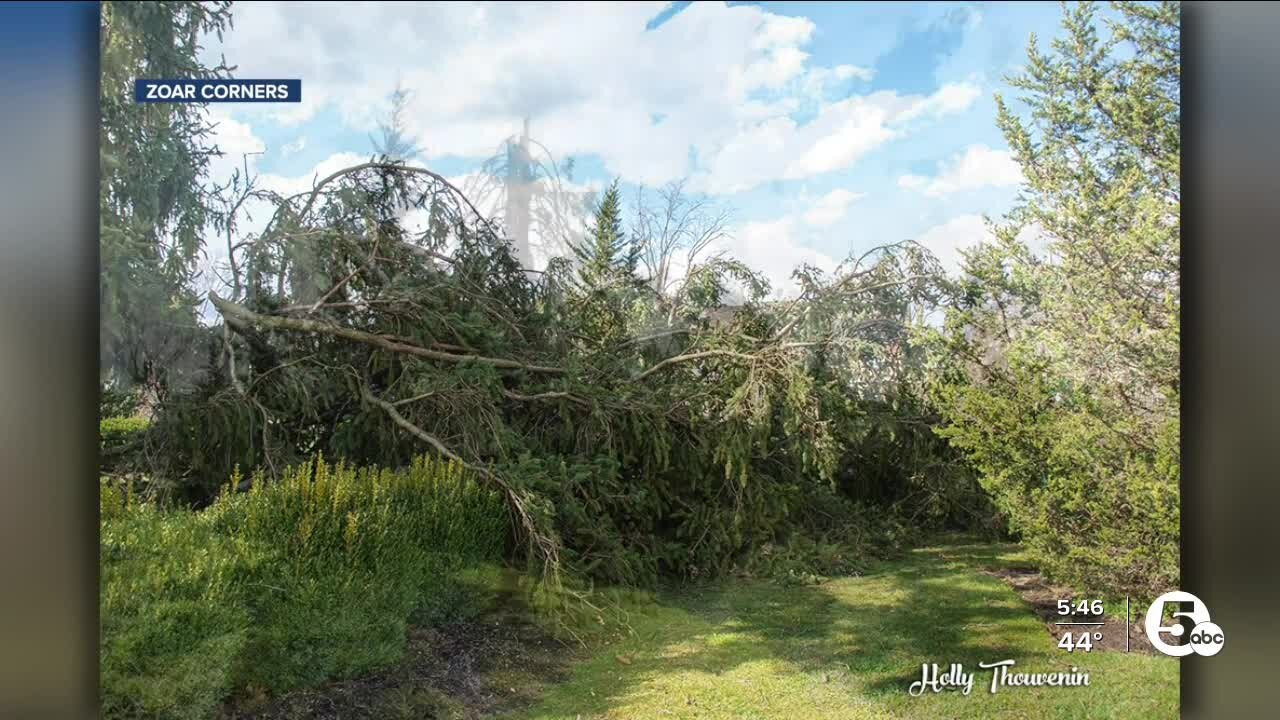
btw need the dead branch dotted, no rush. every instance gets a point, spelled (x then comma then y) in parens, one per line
(238, 314)
(542, 543)
(693, 356)
(878, 286)
(556, 395)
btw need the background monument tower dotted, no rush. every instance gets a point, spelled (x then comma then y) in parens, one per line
(520, 187)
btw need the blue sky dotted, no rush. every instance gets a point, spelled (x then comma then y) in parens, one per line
(824, 128)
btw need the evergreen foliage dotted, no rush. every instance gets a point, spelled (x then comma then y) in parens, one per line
(393, 141)
(605, 285)
(1063, 387)
(606, 254)
(154, 202)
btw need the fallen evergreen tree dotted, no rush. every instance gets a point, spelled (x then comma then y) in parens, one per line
(633, 433)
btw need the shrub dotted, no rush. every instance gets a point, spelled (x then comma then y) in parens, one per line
(115, 400)
(117, 436)
(1095, 512)
(312, 577)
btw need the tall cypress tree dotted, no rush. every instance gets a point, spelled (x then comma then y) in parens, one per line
(1070, 405)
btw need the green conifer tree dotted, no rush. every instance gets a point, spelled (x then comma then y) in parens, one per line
(155, 203)
(606, 273)
(1068, 399)
(604, 256)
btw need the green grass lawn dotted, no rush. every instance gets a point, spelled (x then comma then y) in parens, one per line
(849, 648)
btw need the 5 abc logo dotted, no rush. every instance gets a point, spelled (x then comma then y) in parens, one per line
(1206, 637)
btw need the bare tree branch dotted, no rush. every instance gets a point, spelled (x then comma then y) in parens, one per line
(542, 543)
(242, 315)
(693, 356)
(554, 395)
(677, 222)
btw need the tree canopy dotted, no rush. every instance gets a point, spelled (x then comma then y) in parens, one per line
(155, 203)
(1066, 387)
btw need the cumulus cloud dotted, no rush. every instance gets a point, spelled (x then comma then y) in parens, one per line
(292, 185)
(294, 147)
(951, 98)
(830, 208)
(845, 72)
(726, 80)
(775, 248)
(947, 240)
(235, 140)
(777, 147)
(977, 167)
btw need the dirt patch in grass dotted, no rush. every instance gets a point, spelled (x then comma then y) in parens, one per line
(460, 671)
(1043, 598)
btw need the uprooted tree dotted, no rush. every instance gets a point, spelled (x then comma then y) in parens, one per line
(633, 433)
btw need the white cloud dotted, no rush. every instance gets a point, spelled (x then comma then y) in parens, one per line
(726, 80)
(775, 248)
(830, 208)
(977, 167)
(817, 81)
(912, 182)
(783, 31)
(292, 185)
(946, 241)
(237, 142)
(841, 133)
(952, 98)
(845, 72)
(771, 71)
(860, 129)
(294, 147)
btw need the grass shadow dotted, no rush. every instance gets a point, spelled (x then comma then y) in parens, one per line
(866, 636)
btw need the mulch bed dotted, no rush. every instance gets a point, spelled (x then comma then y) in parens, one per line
(453, 671)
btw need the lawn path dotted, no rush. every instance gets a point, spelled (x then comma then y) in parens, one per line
(849, 648)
